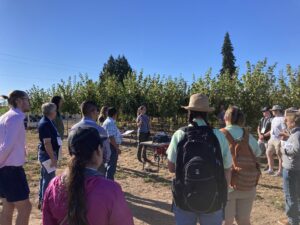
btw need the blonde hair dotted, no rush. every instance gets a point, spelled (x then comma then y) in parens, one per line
(235, 116)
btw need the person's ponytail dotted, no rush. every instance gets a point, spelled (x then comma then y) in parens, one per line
(14, 96)
(4, 97)
(76, 192)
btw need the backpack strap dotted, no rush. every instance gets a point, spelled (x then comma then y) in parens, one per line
(246, 139)
(232, 144)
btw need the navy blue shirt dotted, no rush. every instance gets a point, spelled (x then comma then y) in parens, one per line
(47, 129)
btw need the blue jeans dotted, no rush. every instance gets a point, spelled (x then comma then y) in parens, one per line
(45, 176)
(291, 188)
(112, 164)
(44, 181)
(183, 217)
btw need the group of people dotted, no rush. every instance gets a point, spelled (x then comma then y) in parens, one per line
(278, 134)
(216, 171)
(85, 193)
(198, 186)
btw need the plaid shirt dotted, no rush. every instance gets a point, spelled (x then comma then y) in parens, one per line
(112, 130)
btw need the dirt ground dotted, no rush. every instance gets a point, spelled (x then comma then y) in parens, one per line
(148, 194)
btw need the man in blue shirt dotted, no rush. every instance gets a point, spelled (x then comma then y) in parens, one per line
(115, 139)
(90, 112)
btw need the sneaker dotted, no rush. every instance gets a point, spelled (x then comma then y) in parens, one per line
(283, 222)
(269, 172)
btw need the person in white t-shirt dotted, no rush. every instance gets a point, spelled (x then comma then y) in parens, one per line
(274, 144)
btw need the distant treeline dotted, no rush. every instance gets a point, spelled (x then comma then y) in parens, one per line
(259, 86)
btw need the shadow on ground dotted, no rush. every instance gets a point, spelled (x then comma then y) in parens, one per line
(150, 211)
(148, 177)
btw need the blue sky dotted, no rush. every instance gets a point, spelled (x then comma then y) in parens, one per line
(42, 42)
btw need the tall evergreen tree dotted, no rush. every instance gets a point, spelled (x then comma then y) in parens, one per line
(118, 67)
(228, 63)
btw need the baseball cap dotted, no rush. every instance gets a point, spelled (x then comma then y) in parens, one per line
(84, 139)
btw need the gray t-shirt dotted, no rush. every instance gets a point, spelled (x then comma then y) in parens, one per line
(145, 123)
(291, 151)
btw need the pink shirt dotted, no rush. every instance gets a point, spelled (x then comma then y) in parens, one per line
(105, 203)
(12, 138)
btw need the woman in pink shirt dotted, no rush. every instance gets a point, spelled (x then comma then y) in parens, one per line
(81, 196)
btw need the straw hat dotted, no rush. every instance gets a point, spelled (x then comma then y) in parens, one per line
(199, 103)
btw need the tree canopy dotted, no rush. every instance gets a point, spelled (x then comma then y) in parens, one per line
(118, 67)
(258, 86)
(228, 61)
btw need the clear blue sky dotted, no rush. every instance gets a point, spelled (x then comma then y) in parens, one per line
(42, 42)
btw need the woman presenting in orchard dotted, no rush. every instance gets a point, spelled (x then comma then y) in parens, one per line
(143, 132)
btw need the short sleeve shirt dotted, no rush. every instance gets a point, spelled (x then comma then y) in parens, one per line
(277, 126)
(112, 130)
(145, 124)
(237, 134)
(46, 130)
(179, 136)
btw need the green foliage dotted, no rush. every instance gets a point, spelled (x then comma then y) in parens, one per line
(118, 67)
(69, 91)
(3, 110)
(259, 86)
(228, 63)
(38, 96)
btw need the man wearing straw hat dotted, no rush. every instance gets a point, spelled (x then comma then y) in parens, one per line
(192, 152)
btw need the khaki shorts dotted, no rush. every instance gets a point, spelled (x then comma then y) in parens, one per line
(239, 204)
(274, 146)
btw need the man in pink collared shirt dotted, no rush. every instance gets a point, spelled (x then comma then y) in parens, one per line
(14, 188)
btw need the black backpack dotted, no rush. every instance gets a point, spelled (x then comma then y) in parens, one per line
(200, 185)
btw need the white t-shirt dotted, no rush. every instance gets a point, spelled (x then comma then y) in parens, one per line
(277, 126)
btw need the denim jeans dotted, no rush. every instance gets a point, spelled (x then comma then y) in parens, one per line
(44, 181)
(112, 164)
(183, 217)
(45, 176)
(291, 188)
